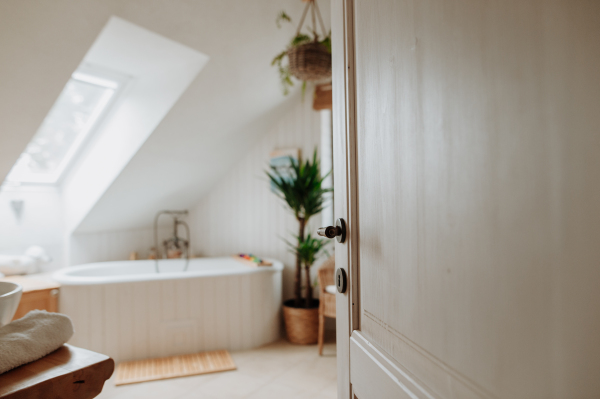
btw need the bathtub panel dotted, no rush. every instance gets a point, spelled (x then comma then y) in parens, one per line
(81, 319)
(167, 308)
(197, 290)
(258, 304)
(222, 313)
(126, 335)
(249, 327)
(154, 315)
(133, 320)
(182, 299)
(140, 320)
(246, 317)
(261, 320)
(234, 303)
(231, 302)
(210, 312)
(95, 310)
(276, 312)
(168, 304)
(111, 319)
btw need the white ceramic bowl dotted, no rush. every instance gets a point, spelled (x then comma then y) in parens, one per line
(10, 295)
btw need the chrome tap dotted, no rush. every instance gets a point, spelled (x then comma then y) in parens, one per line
(174, 245)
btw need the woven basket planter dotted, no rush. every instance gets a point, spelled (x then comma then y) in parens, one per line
(301, 324)
(310, 61)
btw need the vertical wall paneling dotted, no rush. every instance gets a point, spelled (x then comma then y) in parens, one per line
(109, 246)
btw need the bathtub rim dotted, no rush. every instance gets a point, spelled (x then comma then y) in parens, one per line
(64, 278)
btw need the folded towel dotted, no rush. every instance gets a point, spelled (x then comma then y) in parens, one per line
(32, 337)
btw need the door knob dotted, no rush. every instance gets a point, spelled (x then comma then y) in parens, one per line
(338, 231)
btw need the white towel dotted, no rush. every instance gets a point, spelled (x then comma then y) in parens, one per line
(32, 337)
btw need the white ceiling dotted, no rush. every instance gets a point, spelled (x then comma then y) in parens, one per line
(233, 101)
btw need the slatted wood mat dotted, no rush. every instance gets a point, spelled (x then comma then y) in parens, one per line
(173, 367)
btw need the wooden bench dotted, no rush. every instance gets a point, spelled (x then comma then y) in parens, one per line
(66, 373)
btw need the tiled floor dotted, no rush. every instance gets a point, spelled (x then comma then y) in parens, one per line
(279, 370)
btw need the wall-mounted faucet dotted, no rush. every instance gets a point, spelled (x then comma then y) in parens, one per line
(175, 245)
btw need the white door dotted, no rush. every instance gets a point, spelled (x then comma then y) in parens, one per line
(467, 166)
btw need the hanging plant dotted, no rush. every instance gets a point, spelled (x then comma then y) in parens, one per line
(308, 55)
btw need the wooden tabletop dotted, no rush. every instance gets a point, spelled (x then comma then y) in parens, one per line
(66, 373)
(31, 283)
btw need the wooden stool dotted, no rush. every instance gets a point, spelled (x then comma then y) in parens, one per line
(67, 373)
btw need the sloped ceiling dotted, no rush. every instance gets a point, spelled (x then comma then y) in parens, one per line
(234, 99)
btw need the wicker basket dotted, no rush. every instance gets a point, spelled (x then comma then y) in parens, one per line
(310, 61)
(301, 324)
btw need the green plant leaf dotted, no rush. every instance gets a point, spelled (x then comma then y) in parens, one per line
(303, 189)
(279, 58)
(303, 89)
(300, 39)
(309, 250)
(282, 17)
(327, 43)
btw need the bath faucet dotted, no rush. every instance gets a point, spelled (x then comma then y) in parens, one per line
(175, 243)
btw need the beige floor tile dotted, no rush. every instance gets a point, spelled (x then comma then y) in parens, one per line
(279, 370)
(274, 390)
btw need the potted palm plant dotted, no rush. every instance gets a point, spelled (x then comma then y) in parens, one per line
(302, 190)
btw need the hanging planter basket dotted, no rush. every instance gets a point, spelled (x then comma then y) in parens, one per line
(309, 55)
(310, 61)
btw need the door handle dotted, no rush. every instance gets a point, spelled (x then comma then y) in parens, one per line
(338, 231)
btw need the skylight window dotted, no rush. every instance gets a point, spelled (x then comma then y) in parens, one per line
(73, 116)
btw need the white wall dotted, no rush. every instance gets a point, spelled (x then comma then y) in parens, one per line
(41, 222)
(108, 246)
(241, 214)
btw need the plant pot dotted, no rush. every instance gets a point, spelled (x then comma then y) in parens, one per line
(301, 324)
(310, 61)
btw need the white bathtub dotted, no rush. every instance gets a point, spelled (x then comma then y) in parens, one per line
(128, 311)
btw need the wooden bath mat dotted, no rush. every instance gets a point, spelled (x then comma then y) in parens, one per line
(173, 367)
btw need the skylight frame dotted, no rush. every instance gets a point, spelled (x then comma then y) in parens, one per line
(87, 74)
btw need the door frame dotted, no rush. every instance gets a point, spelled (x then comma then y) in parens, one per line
(344, 167)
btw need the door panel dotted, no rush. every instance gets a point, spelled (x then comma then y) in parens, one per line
(374, 376)
(477, 193)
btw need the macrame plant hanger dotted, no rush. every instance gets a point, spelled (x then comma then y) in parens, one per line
(315, 13)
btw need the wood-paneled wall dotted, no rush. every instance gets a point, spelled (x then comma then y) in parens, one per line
(106, 246)
(241, 214)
